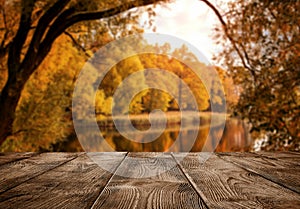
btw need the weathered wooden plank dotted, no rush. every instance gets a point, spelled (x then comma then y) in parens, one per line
(75, 184)
(149, 194)
(147, 187)
(280, 154)
(15, 173)
(293, 152)
(14, 156)
(279, 168)
(290, 158)
(57, 180)
(151, 165)
(225, 185)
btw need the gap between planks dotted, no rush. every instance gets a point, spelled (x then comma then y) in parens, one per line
(108, 181)
(257, 171)
(40, 173)
(191, 182)
(15, 157)
(159, 177)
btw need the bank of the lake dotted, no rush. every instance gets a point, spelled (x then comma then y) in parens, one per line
(173, 118)
(181, 133)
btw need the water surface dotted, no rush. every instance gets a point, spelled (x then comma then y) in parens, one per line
(235, 137)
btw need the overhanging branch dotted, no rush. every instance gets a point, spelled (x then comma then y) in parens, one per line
(77, 44)
(60, 25)
(41, 28)
(232, 41)
(56, 23)
(65, 20)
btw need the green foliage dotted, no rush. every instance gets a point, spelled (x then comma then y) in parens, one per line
(262, 57)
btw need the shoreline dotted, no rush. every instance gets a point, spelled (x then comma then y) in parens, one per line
(173, 118)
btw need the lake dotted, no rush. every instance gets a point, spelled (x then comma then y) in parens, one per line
(235, 137)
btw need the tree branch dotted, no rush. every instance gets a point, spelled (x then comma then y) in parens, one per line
(20, 38)
(82, 16)
(233, 42)
(5, 28)
(67, 19)
(41, 28)
(43, 47)
(58, 28)
(3, 48)
(20, 131)
(76, 43)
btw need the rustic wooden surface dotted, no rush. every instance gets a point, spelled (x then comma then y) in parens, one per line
(150, 180)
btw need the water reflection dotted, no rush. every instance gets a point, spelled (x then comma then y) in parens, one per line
(235, 138)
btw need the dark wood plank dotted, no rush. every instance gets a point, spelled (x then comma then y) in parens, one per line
(226, 180)
(75, 184)
(288, 158)
(225, 185)
(277, 167)
(147, 187)
(279, 154)
(151, 165)
(293, 152)
(149, 194)
(13, 156)
(15, 173)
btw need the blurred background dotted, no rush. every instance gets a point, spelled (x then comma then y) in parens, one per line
(252, 45)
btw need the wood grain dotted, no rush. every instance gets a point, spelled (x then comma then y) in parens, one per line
(225, 185)
(283, 168)
(12, 157)
(149, 180)
(158, 166)
(75, 184)
(288, 158)
(149, 194)
(147, 187)
(17, 172)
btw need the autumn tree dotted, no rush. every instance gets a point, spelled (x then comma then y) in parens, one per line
(30, 27)
(189, 70)
(157, 98)
(261, 48)
(230, 90)
(43, 115)
(185, 70)
(124, 103)
(163, 77)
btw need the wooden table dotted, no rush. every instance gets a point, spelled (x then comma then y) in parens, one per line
(224, 180)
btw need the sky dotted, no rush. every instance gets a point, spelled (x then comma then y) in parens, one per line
(190, 20)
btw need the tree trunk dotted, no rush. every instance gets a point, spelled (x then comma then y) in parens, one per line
(9, 98)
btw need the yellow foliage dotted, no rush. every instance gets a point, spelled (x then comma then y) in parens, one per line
(43, 116)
